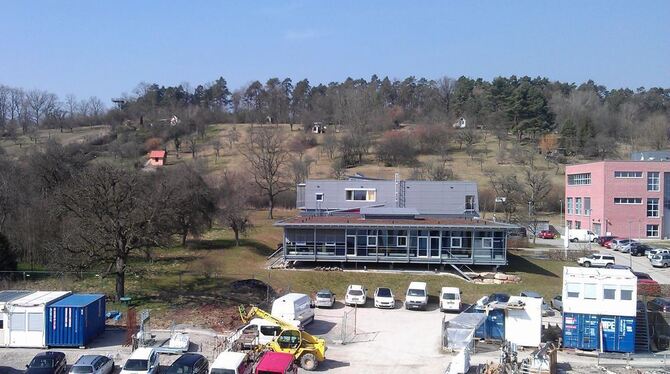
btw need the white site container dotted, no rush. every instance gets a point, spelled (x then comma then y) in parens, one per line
(523, 324)
(294, 308)
(5, 298)
(27, 317)
(599, 291)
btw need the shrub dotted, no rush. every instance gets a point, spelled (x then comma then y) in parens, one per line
(431, 139)
(396, 148)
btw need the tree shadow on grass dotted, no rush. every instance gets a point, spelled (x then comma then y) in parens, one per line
(218, 244)
(522, 265)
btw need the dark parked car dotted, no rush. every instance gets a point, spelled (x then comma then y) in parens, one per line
(499, 297)
(637, 249)
(602, 239)
(661, 304)
(189, 363)
(48, 363)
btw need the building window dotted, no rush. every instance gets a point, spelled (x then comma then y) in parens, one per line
(578, 205)
(609, 292)
(569, 206)
(469, 202)
(626, 294)
(653, 181)
(627, 200)
(36, 322)
(487, 243)
(652, 231)
(569, 223)
(590, 291)
(578, 225)
(402, 241)
(372, 241)
(17, 321)
(587, 206)
(577, 179)
(573, 290)
(319, 196)
(361, 194)
(652, 207)
(627, 174)
(456, 242)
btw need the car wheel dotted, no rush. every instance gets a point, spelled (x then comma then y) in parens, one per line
(608, 266)
(665, 265)
(573, 240)
(587, 264)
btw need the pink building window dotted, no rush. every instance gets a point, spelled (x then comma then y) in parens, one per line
(652, 231)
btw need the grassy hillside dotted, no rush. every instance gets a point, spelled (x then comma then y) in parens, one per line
(24, 144)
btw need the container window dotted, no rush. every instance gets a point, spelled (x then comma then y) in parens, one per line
(609, 292)
(18, 322)
(590, 292)
(35, 322)
(319, 196)
(626, 294)
(573, 290)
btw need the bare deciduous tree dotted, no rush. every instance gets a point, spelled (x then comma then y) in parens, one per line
(216, 144)
(266, 154)
(233, 204)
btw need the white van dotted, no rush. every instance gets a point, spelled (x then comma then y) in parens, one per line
(581, 235)
(295, 308)
(257, 331)
(450, 299)
(417, 296)
(232, 363)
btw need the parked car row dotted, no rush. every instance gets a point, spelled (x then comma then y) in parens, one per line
(416, 297)
(145, 361)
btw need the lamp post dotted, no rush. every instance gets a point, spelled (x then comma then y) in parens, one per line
(630, 237)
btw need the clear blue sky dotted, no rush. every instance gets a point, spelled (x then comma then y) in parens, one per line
(106, 48)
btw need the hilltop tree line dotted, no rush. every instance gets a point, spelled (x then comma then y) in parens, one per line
(24, 112)
(587, 116)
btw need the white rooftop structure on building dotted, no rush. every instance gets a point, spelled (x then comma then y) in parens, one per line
(6, 297)
(27, 317)
(599, 291)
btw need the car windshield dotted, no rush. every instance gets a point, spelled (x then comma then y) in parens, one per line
(499, 297)
(384, 292)
(531, 294)
(222, 371)
(642, 276)
(448, 296)
(324, 294)
(81, 369)
(180, 369)
(136, 365)
(411, 292)
(355, 292)
(656, 257)
(42, 363)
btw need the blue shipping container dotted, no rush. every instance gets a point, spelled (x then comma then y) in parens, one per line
(75, 320)
(582, 331)
(493, 327)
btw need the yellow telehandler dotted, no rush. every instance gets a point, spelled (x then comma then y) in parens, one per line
(307, 349)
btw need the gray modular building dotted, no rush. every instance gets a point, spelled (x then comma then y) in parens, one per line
(392, 222)
(449, 198)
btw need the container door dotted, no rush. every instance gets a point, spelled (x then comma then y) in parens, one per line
(626, 334)
(497, 324)
(610, 337)
(590, 332)
(571, 331)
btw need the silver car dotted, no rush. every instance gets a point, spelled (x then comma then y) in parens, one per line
(324, 299)
(657, 251)
(93, 364)
(661, 260)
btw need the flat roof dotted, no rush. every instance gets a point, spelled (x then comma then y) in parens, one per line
(9, 295)
(598, 273)
(40, 297)
(358, 220)
(78, 300)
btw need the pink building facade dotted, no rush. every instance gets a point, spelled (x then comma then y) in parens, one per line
(622, 198)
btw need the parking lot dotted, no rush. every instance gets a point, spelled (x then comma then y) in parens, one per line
(640, 263)
(386, 341)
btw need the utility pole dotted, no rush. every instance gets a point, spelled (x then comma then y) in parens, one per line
(630, 237)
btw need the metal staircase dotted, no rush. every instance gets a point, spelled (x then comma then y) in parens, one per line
(642, 343)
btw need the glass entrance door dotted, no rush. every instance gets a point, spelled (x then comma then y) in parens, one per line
(423, 246)
(351, 245)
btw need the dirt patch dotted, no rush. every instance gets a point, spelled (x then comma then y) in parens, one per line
(251, 291)
(215, 317)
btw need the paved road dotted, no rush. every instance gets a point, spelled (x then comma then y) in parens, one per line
(641, 263)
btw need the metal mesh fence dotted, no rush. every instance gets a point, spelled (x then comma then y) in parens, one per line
(348, 326)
